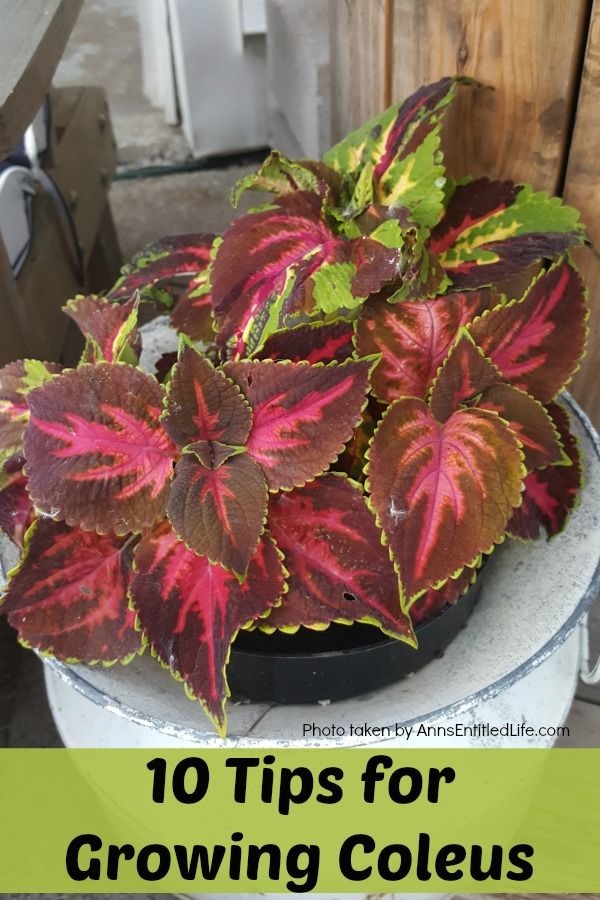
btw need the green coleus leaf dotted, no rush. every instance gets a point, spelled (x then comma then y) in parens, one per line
(301, 414)
(442, 493)
(68, 596)
(97, 455)
(280, 266)
(338, 567)
(162, 271)
(108, 327)
(400, 153)
(494, 230)
(315, 342)
(551, 493)
(279, 175)
(190, 610)
(435, 600)
(17, 380)
(537, 342)
(529, 420)
(413, 339)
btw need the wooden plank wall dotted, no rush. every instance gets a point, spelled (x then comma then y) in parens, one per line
(530, 53)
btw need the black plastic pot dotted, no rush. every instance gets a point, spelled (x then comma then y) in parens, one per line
(341, 662)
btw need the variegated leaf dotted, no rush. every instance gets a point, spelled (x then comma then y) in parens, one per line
(69, 595)
(442, 493)
(537, 342)
(17, 380)
(436, 600)
(400, 153)
(339, 570)
(550, 494)
(413, 339)
(108, 327)
(164, 270)
(529, 421)
(315, 342)
(190, 610)
(193, 313)
(302, 414)
(97, 455)
(280, 266)
(203, 404)
(219, 511)
(279, 175)
(465, 374)
(15, 507)
(493, 230)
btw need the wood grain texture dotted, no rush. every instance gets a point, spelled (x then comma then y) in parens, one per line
(526, 51)
(582, 189)
(33, 36)
(358, 62)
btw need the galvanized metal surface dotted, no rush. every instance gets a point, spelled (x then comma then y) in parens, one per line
(533, 598)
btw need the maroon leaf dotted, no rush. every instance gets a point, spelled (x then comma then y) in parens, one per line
(190, 610)
(17, 380)
(203, 404)
(192, 314)
(163, 270)
(109, 328)
(550, 494)
(493, 230)
(465, 374)
(529, 420)
(314, 343)
(69, 595)
(414, 339)
(442, 493)
(302, 415)
(97, 455)
(15, 508)
(435, 600)
(536, 342)
(219, 512)
(339, 570)
(284, 262)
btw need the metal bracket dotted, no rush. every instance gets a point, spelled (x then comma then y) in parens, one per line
(588, 675)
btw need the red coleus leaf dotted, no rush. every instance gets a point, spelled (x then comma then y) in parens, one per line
(69, 595)
(97, 455)
(163, 270)
(550, 494)
(302, 414)
(465, 374)
(442, 493)
(190, 610)
(493, 230)
(284, 262)
(536, 342)
(219, 511)
(15, 507)
(435, 600)
(414, 339)
(279, 175)
(529, 420)
(203, 404)
(17, 380)
(109, 328)
(193, 313)
(314, 342)
(339, 570)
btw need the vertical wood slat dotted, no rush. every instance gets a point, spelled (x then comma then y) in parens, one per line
(358, 54)
(528, 51)
(582, 189)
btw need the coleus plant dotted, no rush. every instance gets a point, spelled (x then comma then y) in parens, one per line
(363, 404)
